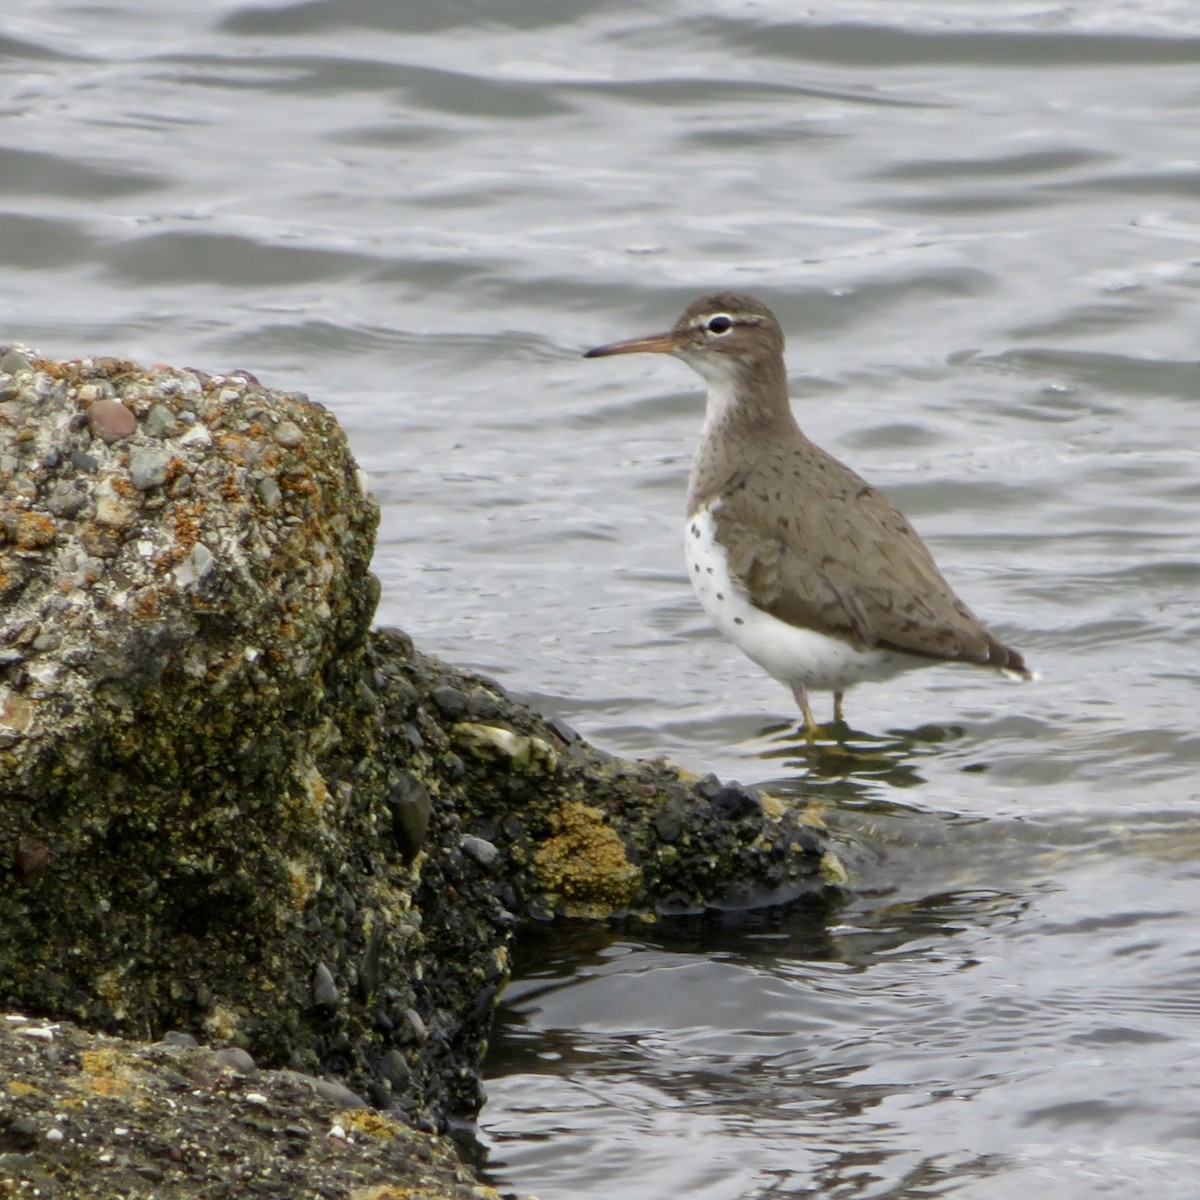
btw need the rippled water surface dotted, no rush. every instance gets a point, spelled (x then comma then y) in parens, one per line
(980, 224)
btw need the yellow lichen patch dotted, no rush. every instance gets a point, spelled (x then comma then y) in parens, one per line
(394, 1191)
(105, 1073)
(373, 1124)
(772, 806)
(529, 755)
(813, 814)
(304, 880)
(583, 862)
(308, 797)
(222, 1023)
(16, 712)
(18, 1087)
(833, 870)
(110, 984)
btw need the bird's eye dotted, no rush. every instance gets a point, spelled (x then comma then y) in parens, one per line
(720, 324)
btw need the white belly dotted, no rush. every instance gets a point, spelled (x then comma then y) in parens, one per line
(791, 655)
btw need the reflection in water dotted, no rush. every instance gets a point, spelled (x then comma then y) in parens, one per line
(849, 754)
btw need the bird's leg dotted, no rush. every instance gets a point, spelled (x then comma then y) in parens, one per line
(811, 728)
(838, 697)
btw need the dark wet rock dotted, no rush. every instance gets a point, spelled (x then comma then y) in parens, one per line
(325, 990)
(175, 1037)
(236, 1059)
(483, 703)
(411, 808)
(450, 701)
(564, 731)
(334, 1092)
(481, 850)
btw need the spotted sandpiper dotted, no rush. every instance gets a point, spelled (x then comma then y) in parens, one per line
(813, 574)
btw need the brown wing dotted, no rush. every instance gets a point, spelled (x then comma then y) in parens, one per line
(844, 561)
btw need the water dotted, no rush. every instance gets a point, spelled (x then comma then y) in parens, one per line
(979, 224)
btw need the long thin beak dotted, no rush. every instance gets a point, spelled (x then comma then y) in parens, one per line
(654, 343)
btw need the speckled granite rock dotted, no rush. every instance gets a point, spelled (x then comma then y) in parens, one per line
(228, 808)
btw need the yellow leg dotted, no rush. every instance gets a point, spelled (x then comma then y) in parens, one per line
(838, 697)
(811, 728)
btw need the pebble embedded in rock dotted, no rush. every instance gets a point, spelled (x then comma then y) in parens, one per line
(483, 704)
(148, 467)
(668, 823)
(393, 1066)
(176, 1037)
(236, 1059)
(334, 1092)
(113, 509)
(195, 566)
(14, 361)
(450, 701)
(160, 422)
(411, 808)
(65, 498)
(325, 991)
(269, 493)
(420, 1031)
(483, 852)
(111, 421)
(288, 435)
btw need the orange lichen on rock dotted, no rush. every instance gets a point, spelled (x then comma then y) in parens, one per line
(33, 530)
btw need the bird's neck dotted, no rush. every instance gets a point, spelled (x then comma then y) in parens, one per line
(746, 412)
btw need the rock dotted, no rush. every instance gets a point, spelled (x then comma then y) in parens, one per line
(483, 852)
(160, 422)
(230, 810)
(411, 808)
(114, 505)
(288, 434)
(269, 493)
(325, 992)
(13, 361)
(450, 701)
(152, 1122)
(236, 1059)
(194, 566)
(148, 466)
(111, 420)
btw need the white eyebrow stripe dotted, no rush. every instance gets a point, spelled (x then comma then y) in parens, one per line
(737, 318)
